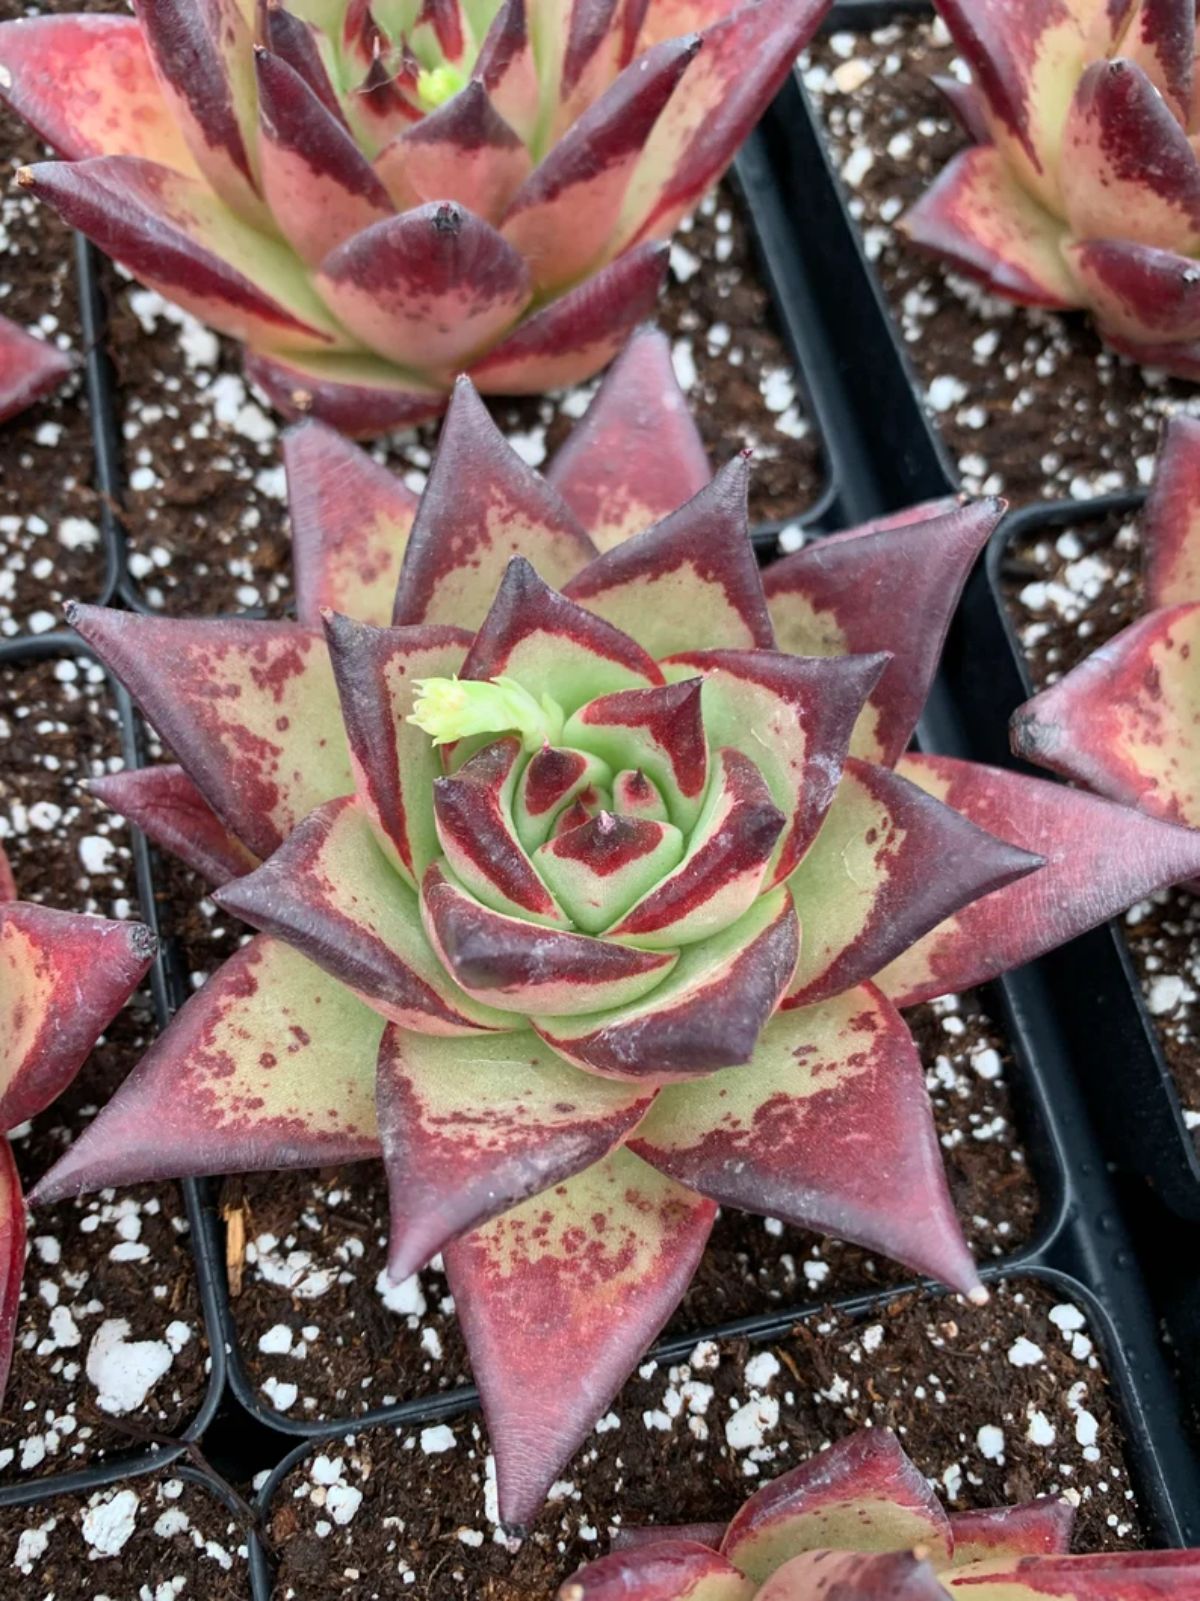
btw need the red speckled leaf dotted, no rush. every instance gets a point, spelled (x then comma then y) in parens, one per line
(893, 587)
(1110, 1576)
(598, 870)
(30, 369)
(666, 1570)
(12, 1256)
(249, 708)
(63, 979)
(481, 507)
(270, 1065)
(350, 525)
(1124, 722)
(849, 1576)
(1138, 293)
(463, 151)
(689, 583)
(87, 86)
(637, 455)
(508, 70)
(535, 1292)
(358, 395)
(785, 1136)
(1100, 858)
(571, 338)
(1161, 38)
(173, 814)
(1039, 1528)
(890, 863)
(518, 966)
(1170, 524)
(707, 1014)
(470, 1131)
(658, 732)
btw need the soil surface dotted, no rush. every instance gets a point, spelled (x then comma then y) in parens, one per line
(995, 1405)
(1029, 403)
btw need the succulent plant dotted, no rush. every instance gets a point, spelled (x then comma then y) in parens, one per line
(30, 369)
(63, 978)
(1083, 188)
(1124, 721)
(375, 195)
(858, 1522)
(529, 808)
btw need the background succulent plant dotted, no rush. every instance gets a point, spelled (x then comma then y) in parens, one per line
(554, 968)
(375, 195)
(860, 1523)
(29, 369)
(1083, 189)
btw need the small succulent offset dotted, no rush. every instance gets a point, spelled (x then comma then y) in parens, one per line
(30, 369)
(63, 978)
(1083, 188)
(1124, 721)
(376, 195)
(860, 1523)
(531, 807)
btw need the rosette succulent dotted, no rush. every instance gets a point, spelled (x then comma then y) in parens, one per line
(63, 978)
(1083, 188)
(30, 369)
(860, 1523)
(376, 195)
(575, 850)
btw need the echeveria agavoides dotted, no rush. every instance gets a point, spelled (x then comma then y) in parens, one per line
(63, 978)
(858, 1522)
(376, 195)
(30, 369)
(586, 878)
(1082, 186)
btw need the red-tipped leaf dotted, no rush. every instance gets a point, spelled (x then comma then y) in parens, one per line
(356, 394)
(1139, 293)
(172, 813)
(464, 151)
(668, 1570)
(659, 732)
(30, 369)
(1039, 1528)
(851, 1576)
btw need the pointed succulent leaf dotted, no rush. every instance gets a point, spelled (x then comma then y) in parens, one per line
(30, 369)
(890, 863)
(1039, 1528)
(507, 68)
(893, 587)
(691, 581)
(271, 1065)
(705, 1015)
(297, 41)
(1138, 292)
(967, 104)
(63, 978)
(481, 506)
(249, 708)
(600, 869)
(547, 1353)
(173, 814)
(12, 1255)
(659, 732)
(851, 1576)
(1129, 1575)
(350, 524)
(666, 1570)
(784, 1136)
(554, 777)
(1160, 37)
(464, 151)
(1100, 859)
(630, 1538)
(637, 455)
(357, 394)
(470, 1133)
(1170, 524)
(634, 795)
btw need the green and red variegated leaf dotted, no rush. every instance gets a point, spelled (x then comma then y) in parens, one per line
(359, 395)
(330, 891)
(394, 763)
(350, 525)
(481, 506)
(966, 103)
(784, 1136)
(470, 1133)
(1160, 37)
(705, 1015)
(890, 863)
(553, 779)
(536, 1290)
(385, 103)
(851, 1576)
(439, 26)
(87, 86)
(1124, 1575)
(1124, 722)
(1134, 174)
(635, 796)
(667, 1570)
(1039, 1528)
(689, 583)
(891, 587)
(600, 869)
(271, 1065)
(1148, 296)
(464, 151)
(507, 68)
(601, 39)
(659, 732)
(1100, 859)
(563, 216)
(554, 647)
(63, 979)
(637, 455)
(295, 40)
(634, 1539)
(30, 369)
(12, 1255)
(173, 814)
(173, 233)
(978, 215)
(793, 716)
(429, 287)
(1170, 525)
(250, 709)
(574, 335)
(320, 187)
(522, 967)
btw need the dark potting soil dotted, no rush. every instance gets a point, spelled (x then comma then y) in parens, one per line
(1068, 592)
(152, 1539)
(111, 1349)
(1028, 402)
(995, 1405)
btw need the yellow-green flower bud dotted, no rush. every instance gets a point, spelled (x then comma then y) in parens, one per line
(448, 709)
